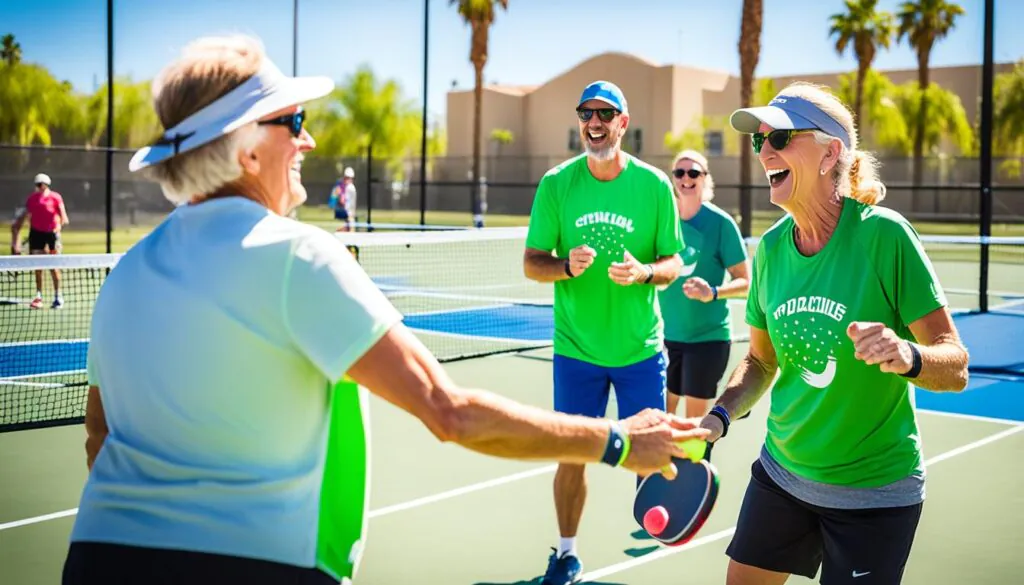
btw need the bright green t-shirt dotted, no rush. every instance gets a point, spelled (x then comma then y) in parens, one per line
(833, 418)
(713, 244)
(597, 320)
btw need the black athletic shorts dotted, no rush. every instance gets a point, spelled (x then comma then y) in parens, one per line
(91, 563)
(695, 369)
(38, 240)
(778, 532)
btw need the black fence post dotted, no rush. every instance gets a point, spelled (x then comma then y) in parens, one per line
(423, 137)
(369, 186)
(987, 81)
(110, 126)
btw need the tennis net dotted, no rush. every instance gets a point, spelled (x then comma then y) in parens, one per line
(462, 292)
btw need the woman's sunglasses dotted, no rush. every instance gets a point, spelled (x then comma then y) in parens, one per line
(779, 139)
(692, 173)
(294, 122)
(604, 114)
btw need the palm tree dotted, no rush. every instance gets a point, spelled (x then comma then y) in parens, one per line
(135, 120)
(10, 50)
(36, 106)
(867, 29)
(923, 22)
(881, 125)
(479, 15)
(1008, 111)
(750, 52)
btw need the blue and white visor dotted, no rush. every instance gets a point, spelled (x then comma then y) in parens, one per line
(264, 93)
(787, 112)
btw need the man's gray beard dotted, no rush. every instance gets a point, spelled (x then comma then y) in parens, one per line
(605, 153)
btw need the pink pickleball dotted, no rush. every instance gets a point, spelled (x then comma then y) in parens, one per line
(655, 520)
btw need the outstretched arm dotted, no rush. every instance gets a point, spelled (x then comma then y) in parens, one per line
(748, 383)
(402, 371)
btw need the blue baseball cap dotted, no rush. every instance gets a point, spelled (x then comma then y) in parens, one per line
(606, 92)
(786, 112)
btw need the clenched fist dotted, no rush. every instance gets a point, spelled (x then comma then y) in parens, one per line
(580, 258)
(874, 343)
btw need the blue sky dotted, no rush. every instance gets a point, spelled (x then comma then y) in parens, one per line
(534, 41)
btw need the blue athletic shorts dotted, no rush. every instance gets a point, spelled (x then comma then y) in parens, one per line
(583, 388)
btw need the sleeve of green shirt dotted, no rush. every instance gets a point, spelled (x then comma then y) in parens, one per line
(733, 248)
(755, 311)
(543, 231)
(910, 278)
(670, 234)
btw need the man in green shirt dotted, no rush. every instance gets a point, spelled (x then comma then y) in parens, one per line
(604, 229)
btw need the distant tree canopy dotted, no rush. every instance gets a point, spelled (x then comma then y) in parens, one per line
(37, 108)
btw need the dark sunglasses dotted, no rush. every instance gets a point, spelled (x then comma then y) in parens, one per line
(293, 121)
(604, 114)
(779, 139)
(692, 173)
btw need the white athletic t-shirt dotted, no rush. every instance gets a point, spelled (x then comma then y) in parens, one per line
(219, 344)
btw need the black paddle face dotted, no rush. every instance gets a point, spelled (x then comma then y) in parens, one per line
(688, 499)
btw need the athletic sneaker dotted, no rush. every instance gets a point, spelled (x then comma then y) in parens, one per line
(562, 570)
(57, 303)
(37, 303)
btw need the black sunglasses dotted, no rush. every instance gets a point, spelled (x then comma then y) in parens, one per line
(692, 173)
(779, 139)
(293, 121)
(604, 114)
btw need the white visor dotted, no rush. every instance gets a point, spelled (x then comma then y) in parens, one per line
(264, 93)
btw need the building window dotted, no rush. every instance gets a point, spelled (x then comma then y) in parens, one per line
(574, 140)
(714, 143)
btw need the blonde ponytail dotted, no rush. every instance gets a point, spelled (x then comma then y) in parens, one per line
(864, 183)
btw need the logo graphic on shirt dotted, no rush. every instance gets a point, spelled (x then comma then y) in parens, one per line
(689, 256)
(811, 328)
(606, 233)
(694, 241)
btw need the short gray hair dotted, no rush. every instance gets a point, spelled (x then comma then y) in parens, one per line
(208, 68)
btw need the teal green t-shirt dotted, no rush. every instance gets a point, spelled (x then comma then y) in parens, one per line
(597, 320)
(833, 418)
(713, 244)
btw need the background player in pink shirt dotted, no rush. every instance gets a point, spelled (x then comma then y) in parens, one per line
(47, 215)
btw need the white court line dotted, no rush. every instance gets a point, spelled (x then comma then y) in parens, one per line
(541, 471)
(462, 491)
(664, 552)
(37, 519)
(988, 419)
(373, 513)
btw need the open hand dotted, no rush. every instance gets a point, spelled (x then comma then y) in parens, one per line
(629, 271)
(654, 437)
(874, 343)
(698, 289)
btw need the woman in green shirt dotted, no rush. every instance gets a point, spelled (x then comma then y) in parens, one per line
(845, 306)
(694, 307)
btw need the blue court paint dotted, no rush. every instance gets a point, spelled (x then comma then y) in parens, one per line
(993, 339)
(29, 359)
(522, 322)
(989, 396)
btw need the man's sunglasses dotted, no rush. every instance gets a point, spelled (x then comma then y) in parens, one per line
(294, 122)
(604, 114)
(779, 139)
(692, 173)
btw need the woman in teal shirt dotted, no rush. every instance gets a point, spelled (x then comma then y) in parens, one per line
(694, 307)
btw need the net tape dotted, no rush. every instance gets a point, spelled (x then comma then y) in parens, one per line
(424, 274)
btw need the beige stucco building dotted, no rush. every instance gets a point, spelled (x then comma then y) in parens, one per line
(662, 99)
(672, 99)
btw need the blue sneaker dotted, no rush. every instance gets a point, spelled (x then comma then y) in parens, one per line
(562, 570)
